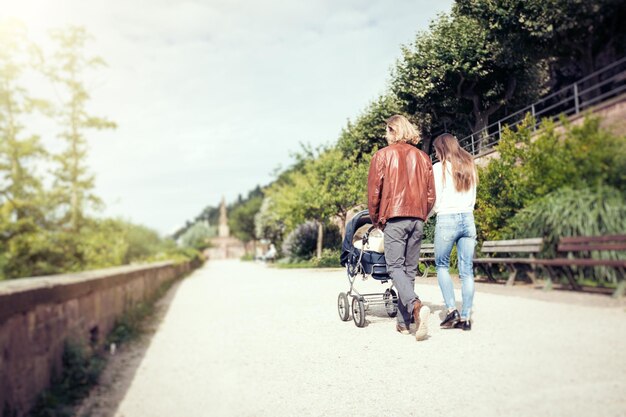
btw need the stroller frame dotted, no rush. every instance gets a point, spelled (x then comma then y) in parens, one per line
(360, 303)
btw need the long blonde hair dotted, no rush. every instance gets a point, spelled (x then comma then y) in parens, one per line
(461, 162)
(399, 129)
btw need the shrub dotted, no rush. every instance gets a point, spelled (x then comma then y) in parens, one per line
(197, 236)
(332, 237)
(301, 243)
(329, 259)
(573, 212)
(178, 255)
(429, 230)
(81, 370)
(578, 157)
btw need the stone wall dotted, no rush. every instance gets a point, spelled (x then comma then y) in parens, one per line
(38, 315)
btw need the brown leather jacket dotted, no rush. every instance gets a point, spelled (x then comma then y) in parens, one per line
(400, 184)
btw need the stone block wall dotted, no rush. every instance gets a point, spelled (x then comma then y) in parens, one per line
(38, 315)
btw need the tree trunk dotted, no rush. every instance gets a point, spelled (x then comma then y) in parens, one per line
(320, 239)
(479, 131)
(482, 115)
(342, 225)
(426, 144)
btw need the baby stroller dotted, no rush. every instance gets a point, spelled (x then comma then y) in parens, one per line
(362, 253)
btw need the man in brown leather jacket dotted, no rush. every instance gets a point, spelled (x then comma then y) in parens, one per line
(401, 194)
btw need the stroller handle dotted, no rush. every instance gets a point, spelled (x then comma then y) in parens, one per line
(366, 236)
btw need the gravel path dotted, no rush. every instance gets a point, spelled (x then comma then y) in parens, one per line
(241, 339)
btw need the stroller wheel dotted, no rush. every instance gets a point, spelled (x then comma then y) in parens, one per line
(343, 307)
(358, 312)
(391, 302)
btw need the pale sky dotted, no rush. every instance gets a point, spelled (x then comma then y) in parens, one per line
(212, 96)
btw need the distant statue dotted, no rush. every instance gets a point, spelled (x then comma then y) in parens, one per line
(223, 229)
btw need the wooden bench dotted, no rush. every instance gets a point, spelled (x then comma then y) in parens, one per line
(587, 252)
(427, 257)
(506, 253)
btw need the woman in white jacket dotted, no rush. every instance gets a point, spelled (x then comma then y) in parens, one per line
(455, 183)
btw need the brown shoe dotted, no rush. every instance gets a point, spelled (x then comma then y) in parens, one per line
(421, 314)
(402, 329)
(417, 305)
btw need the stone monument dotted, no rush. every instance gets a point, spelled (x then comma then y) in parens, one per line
(223, 230)
(224, 246)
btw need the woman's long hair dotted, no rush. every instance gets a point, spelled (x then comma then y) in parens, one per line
(461, 162)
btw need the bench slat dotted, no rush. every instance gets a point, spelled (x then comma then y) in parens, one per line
(529, 241)
(585, 247)
(594, 239)
(614, 263)
(510, 248)
(534, 244)
(504, 261)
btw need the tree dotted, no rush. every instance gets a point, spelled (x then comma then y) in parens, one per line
(142, 242)
(268, 224)
(18, 153)
(367, 133)
(460, 78)
(343, 183)
(325, 187)
(73, 183)
(297, 198)
(577, 37)
(241, 219)
(22, 213)
(197, 236)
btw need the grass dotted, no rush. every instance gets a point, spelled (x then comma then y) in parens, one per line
(131, 324)
(82, 366)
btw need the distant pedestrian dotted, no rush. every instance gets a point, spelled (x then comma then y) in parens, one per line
(270, 255)
(401, 193)
(455, 181)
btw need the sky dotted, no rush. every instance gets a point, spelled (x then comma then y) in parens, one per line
(212, 96)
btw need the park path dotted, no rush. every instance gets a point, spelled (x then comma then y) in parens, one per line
(242, 339)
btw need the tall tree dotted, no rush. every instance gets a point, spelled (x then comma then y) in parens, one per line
(460, 78)
(241, 218)
(73, 183)
(324, 188)
(19, 151)
(268, 224)
(360, 137)
(577, 37)
(342, 183)
(24, 245)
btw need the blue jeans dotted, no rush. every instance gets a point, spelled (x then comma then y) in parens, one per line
(460, 229)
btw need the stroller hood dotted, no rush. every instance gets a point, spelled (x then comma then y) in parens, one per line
(353, 225)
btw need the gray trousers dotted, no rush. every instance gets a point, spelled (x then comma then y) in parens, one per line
(403, 239)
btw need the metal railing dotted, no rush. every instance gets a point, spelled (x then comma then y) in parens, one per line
(600, 86)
